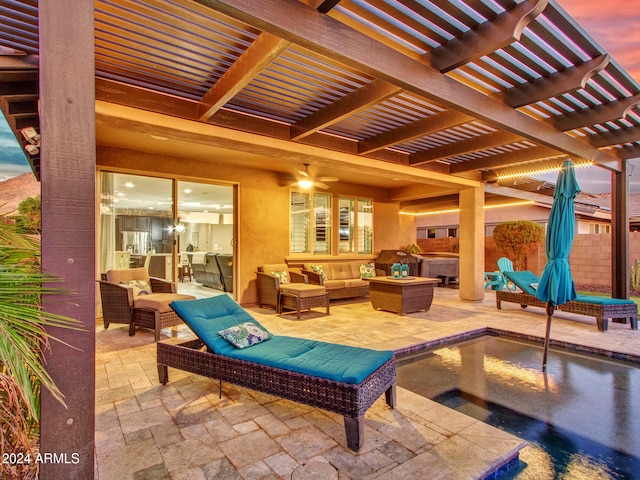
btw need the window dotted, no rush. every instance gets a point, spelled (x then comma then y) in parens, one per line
(431, 233)
(346, 225)
(365, 225)
(452, 232)
(307, 235)
(312, 224)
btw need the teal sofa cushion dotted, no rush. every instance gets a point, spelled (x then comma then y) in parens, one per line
(341, 363)
(524, 280)
(602, 300)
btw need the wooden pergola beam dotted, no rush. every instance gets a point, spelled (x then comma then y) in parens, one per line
(588, 117)
(619, 137)
(304, 26)
(502, 160)
(356, 101)
(628, 152)
(469, 145)
(416, 129)
(505, 29)
(555, 84)
(258, 56)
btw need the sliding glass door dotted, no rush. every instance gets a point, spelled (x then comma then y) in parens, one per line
(165, 225)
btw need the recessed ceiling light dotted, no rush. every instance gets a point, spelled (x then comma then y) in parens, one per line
(187, 190)
(158, 137)
(129, 185)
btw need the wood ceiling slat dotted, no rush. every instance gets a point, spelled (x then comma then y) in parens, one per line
(567, 26)
(436, 20)
(129, 57)
(339, 15)
(410, 21)
(383, 23)
(459, 14)
(148, 39)
(468, 69)
(527, 59)
(544, 54)
(336, 80)
(555, 43)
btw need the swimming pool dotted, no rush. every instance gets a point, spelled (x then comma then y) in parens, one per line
(579, 419)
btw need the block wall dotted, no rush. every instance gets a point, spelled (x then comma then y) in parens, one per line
(590, 256)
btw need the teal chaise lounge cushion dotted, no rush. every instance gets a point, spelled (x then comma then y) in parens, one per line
(338, 378)
(602, 308)
(341, 363)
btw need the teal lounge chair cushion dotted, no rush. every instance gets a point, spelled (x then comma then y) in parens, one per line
(524, 280)
(206, 319)
(602, 300)
(341, 363)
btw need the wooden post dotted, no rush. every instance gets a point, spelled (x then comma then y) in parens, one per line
(620, 264)
(68, 169)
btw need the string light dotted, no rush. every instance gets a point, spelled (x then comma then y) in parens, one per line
(553, 166)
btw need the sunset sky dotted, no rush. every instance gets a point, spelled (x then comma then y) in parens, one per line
(614, 24)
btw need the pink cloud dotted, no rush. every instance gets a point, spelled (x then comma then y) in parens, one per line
(614, 24)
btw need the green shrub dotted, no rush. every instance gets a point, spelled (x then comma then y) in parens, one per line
(517, 239)
(635, 275)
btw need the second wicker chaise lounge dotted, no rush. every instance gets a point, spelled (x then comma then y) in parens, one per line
(338, 378)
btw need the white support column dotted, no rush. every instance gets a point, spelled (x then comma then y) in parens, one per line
(472, 244)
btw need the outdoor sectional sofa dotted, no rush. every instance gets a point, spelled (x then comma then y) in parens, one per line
(341, 279)
(602, 308)
(338, 378)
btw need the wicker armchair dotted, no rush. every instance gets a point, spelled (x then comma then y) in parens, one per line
(122, 302)
(270, 286)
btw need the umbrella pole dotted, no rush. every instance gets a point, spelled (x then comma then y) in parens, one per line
(550, 309)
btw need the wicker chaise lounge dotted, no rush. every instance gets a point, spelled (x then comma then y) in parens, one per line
(338, 378)
(602, 308)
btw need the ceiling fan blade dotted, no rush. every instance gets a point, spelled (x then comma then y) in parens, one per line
(320, 185)
(328, 179)
(303, 173)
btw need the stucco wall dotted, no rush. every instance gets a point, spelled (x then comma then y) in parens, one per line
(263, 208)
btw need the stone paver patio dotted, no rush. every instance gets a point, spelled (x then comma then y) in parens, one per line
(183, 430)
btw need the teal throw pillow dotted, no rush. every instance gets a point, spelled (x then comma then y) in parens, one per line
(282, 276)
(367, 270)
(244, 335)
(319, 270)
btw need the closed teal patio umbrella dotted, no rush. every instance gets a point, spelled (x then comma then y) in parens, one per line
(556, 285)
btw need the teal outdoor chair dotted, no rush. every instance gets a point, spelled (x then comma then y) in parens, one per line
(496, 280)
(506, 265)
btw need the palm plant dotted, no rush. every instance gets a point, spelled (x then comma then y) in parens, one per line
(23, 338)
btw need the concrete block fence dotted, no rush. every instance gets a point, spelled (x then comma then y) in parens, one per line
(590, 257)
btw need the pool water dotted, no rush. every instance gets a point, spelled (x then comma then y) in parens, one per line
(579, 418)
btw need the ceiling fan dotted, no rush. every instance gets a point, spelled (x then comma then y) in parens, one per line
(305, 180)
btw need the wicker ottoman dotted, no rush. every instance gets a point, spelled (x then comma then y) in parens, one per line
(302, 296)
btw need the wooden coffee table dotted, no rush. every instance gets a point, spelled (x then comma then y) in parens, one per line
(402, 295)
